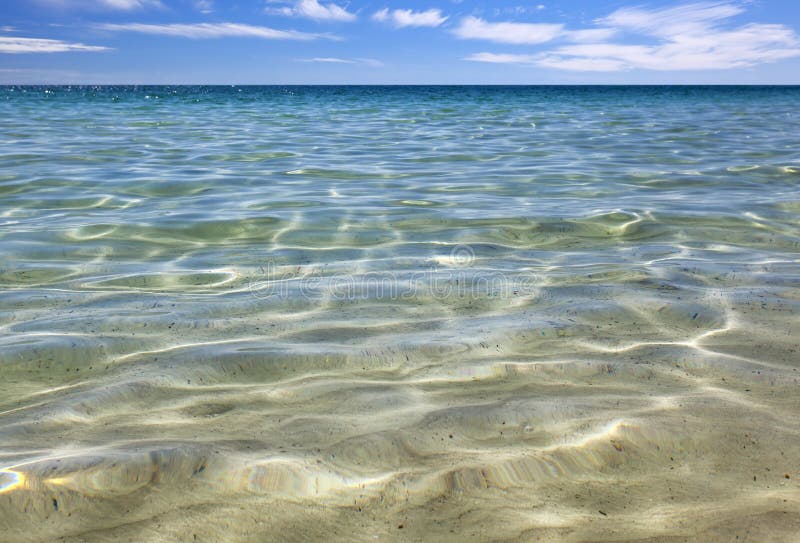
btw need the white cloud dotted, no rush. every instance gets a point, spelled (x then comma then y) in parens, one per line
(516, 11)
(503, 58)
(312, 9)
(40, 45)
(578, 64)
(330, 60)
(375, 63)
(123, 5)
(282, 10)
(694, 36)
(406, 17)
(212, 30)
(333, 60)
(590, 35)
(402, 18)
(130, 4)
(676, 20)
(204, 6)
(690, 37)
(542, 61)
(381, 15)
(474, 28)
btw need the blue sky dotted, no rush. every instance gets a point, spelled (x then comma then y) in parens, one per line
(399, 41)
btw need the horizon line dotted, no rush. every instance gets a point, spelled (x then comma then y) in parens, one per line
(400, 84)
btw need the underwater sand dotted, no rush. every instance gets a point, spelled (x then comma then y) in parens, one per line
(399, 314)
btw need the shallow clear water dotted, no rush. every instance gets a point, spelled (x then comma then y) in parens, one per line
(403, 313)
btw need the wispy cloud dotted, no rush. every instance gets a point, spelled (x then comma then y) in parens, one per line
(334, 60)
(543, 61)
(695, 36)
(123, 5)
(14, 45)
(474, 28)
(130, 4)
(213, 30)
(312, 9)
(673, 21)
(503, 58)
(589, 35)
(402, 18)
(329, 60)
(204, 6)
(517, 10)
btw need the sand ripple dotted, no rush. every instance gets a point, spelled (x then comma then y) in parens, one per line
(397, 318)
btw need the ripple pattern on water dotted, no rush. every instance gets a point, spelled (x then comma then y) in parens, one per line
(450, 314)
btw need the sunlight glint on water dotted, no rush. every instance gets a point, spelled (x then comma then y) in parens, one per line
(401, 313)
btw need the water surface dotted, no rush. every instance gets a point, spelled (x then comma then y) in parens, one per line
(399, 313)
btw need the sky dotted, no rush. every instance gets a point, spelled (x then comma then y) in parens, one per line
(399, 42)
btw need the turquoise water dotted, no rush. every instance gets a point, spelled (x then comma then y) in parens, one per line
(467, 313)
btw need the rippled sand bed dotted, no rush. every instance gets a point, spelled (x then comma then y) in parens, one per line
(346, 359)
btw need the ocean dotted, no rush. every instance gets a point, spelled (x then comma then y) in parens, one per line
(250, 314)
